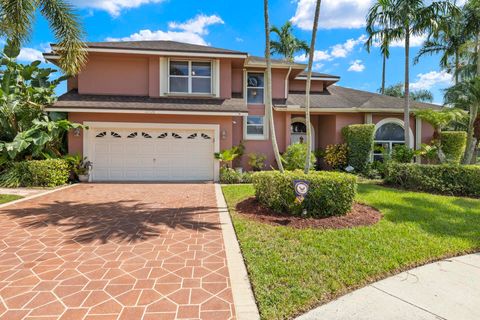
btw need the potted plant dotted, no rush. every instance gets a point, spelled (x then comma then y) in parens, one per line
(83, 170)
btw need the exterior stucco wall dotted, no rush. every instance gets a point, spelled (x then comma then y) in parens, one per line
(136, 75)
(75, 144)
(300, 85)
(225, 78)
(115, 74)
(237, 80)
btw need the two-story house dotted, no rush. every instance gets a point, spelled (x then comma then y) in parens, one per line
(158, 110)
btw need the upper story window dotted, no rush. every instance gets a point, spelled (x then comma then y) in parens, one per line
(255, 88)
(190, 77)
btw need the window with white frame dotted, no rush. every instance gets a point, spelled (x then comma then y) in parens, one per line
(190, 77)
(387, 137)
(255, 87)
(255, 127)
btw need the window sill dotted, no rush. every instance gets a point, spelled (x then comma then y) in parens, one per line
(255, 138)
(190, 95)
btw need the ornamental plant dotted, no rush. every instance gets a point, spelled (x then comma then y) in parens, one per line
(295, 156)
(359, 140)
(453, 145)
(336, 156)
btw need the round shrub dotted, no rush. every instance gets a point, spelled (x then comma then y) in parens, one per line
(330, 193)
(336, 156)
(36, 173)
(453, 145)
(295, 157)
(403, 154)
(459, 180)
(359, 139)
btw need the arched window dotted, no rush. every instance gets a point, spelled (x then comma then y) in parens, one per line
(387, 136)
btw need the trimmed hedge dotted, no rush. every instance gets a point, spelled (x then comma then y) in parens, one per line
(36, 173)
(330, 193)
(359, 139)
(453, 145)
(232, 176)
(449, 179)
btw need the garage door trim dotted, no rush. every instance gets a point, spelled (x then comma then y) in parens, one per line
(88, 135)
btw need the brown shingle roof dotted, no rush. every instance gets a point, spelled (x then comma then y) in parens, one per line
(161, 45)
(337, 97)
(84, 101)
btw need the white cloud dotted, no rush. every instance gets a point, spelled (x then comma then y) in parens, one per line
(29, 55)
(426, 81)
(333, 13)
(238, 39)
(356, 66)
(191, 31)
(415, 41)
(341, 50)
(113, 7)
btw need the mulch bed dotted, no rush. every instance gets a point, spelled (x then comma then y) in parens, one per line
(361, 215)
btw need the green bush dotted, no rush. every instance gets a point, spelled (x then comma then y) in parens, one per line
(359, 139)
(403, 154)
(295, 157)
(231, 176)
(336, 156)
(330, 193)
(257, 161)
(447, 179)
(453, 145)
(36, 173)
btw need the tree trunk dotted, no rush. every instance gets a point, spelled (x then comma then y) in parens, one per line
(406, 111)
(308, 87)
(457, 66)
(384, 66)
(268, 95)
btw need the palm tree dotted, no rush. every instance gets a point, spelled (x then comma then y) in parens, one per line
(448, 42)
(407, 18)
(381, 34)
(287, 44)
(308, 86)
(16, 22)
(268, 93)
(466, 95)
(397, 90)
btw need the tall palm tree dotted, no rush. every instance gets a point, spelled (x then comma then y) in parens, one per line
(309, 84)
(407, 18)
(379, 30)
(268, 93)
(18, 16)
(448, 42)
(287, 44)
(396, 90)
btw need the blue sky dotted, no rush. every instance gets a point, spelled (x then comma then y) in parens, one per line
(238, 25)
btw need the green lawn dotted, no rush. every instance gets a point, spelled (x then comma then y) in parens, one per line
(4, 198)
(294, 270)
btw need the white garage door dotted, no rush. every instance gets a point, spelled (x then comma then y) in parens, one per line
(137, 154)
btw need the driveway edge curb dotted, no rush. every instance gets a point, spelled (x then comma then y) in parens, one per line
(36, 195)
(243, 298)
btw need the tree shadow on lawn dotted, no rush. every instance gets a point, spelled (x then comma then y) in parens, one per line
(120, 221)
(443, 216)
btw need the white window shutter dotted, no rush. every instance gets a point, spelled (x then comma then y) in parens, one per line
(163, 76)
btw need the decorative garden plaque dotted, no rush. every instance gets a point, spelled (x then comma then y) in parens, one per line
(301, 189)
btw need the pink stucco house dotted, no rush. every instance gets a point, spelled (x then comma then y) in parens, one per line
(158, 110)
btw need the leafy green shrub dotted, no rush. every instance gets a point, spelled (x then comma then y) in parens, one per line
(336, 156)
(453, 145)
(257, 161)
(36, 173)
(459, 180)
(231, 176)
(295, 157)
(359, 139)
(330, 193)
(402, 154)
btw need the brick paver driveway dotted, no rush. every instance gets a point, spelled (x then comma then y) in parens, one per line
(115, 251)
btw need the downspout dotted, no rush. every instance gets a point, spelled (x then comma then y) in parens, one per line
(286, 82)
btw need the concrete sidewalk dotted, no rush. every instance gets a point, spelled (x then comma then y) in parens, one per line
(448, 289)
